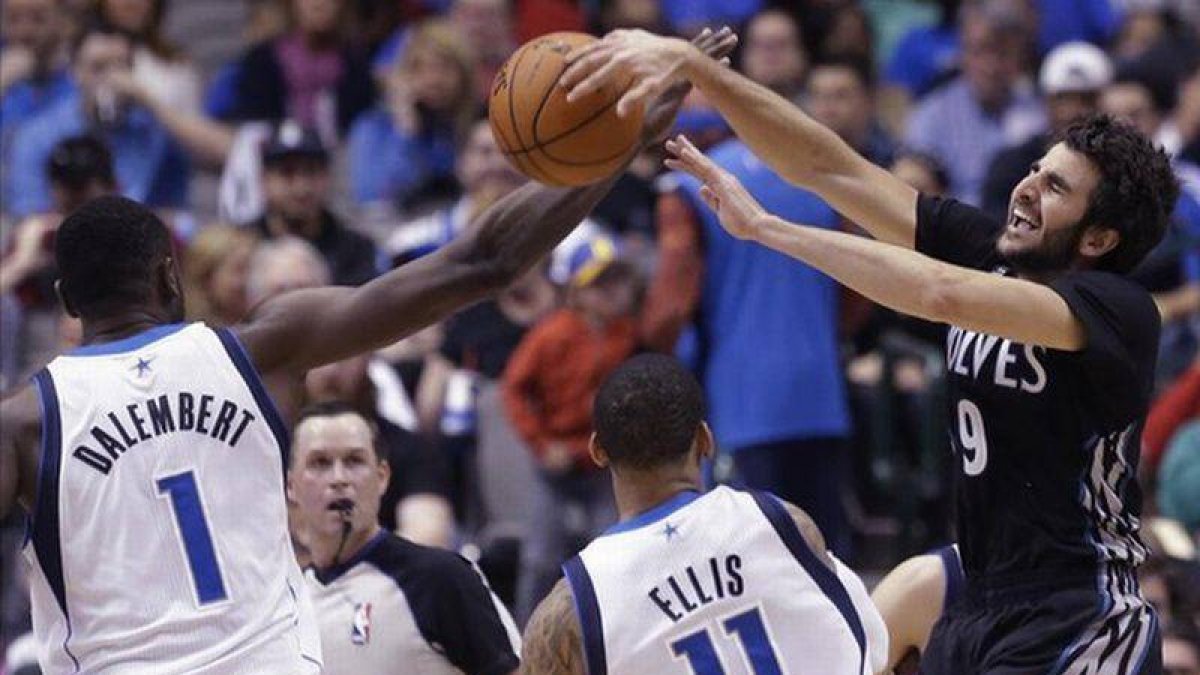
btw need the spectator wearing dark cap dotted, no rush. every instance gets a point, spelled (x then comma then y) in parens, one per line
(148, 164)
(296, 183)
(1071, 79)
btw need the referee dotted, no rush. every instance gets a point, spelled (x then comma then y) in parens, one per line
(384, 604)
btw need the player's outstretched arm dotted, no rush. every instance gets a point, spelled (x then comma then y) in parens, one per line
(900, 279)
(794, 145)
(20, 429)
(304, 329)
(552, 644)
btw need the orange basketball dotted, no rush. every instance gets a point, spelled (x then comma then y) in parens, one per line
(548, 139)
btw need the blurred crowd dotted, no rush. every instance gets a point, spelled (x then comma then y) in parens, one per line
(334, 140)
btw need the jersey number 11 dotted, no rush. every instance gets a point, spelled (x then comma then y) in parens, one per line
(751, 635)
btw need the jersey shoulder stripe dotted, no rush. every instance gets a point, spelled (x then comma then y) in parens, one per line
(825, 578)
(587, 608)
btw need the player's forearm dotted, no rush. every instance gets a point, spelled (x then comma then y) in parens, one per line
(775, 129)
(206, 140)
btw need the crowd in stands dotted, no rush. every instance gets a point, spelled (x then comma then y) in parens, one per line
(348, 138)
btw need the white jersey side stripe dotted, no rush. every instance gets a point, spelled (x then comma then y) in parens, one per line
(44, 522)
(237, 354)
(587, 609)
(825, 578)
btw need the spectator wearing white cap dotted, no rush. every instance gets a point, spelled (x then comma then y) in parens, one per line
(1071, 79)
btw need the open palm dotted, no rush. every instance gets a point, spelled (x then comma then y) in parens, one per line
(738, 212)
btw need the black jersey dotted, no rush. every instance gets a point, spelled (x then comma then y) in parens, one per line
(1047, 440)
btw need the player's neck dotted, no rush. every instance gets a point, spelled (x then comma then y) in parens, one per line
(121, 326)
(637, 495)
(325, 549)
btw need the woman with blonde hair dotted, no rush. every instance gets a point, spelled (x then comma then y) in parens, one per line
(216, 266)
(403, 151)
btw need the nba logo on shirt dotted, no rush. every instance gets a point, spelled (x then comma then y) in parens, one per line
(360, 627)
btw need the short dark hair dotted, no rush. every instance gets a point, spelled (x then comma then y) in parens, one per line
(859, 65)
(106, 252)
(336, 408)
(76, 161)
(1137, 189)
(647, 412)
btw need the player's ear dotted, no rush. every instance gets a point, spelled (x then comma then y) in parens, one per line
(597, 453)
(705, 445)
(168, 278)
(1098, 241)
(384, 471)
(62, 297)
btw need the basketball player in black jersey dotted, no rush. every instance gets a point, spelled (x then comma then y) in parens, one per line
(1050, 351)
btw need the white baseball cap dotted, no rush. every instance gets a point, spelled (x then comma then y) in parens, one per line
(1075, 67)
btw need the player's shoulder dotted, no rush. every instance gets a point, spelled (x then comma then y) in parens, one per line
(925, 571)
(20, 411)
(419, 568)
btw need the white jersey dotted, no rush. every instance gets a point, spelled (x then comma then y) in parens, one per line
(159, 539)
(720, 583)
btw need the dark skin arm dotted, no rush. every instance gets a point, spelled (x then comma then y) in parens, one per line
(20, 432)
(552, 644)
(298, 331)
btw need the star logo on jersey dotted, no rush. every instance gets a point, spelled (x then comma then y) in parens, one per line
(143, 366)
(669, 531)
(360, 626)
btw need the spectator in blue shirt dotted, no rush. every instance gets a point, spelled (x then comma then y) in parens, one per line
(33, 74)
(149, 166)
(926, 56)
(990, 106)
(403, 150)
(769, 364)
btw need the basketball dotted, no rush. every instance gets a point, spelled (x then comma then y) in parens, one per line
(548, 139)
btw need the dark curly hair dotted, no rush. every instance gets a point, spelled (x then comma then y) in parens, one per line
(647, 412)
(1137, 189)
(106, 252)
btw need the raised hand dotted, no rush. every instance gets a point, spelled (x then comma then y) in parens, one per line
(739, 213)
(654, 62)
(660, 114)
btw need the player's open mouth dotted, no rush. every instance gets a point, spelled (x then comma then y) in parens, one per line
(342, 504)
(1022, 222)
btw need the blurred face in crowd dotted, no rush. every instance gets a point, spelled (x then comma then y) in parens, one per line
(849, 32)
(918, 175)
(333, 458)
(31, 24)
(281, 269)
(1140, 30)
(1132, 103)
(227, 286)
(129, 15)
(1043, 229)
(296, 188)
(434, 78)
(774, 56)
(316, 17)
(98, 58)
(66, 199)
(1067, 107)
(482, 168)
(991, 59)
(840, 100)
(632, 14)
(610, 296)
(486, 24)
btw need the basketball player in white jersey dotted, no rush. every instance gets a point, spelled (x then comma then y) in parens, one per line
(151, 460)
(690, 582)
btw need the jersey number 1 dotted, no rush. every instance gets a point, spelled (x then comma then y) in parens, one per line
(181, 489)
(750, 631)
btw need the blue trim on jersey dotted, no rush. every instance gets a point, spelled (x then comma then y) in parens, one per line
(44, 531)
(131, 343)
(955, 578)
(329, 575)
(825, 578)
(588, 611)
(237, 354)
(656, 513)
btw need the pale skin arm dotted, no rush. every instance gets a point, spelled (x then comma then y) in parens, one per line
(795, 146)
(892, 276)
(910, 600)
